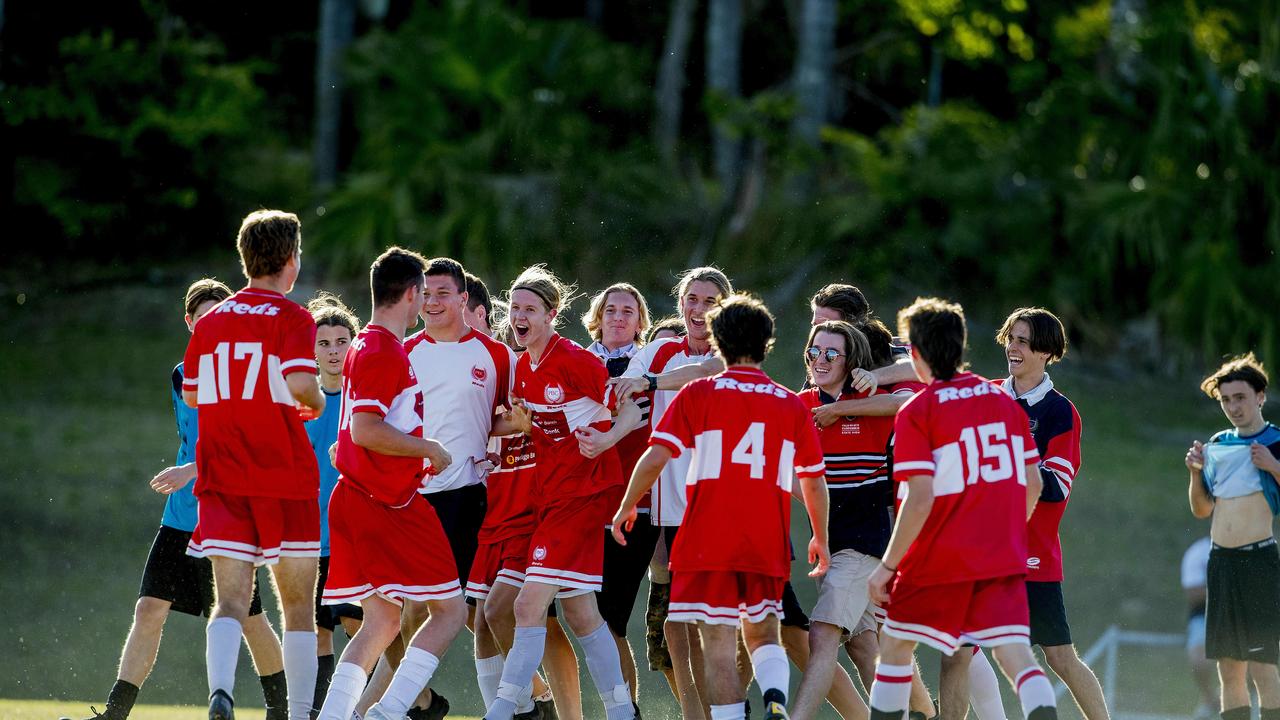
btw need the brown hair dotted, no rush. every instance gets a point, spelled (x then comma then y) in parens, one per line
(202, 291)
(394, 272)
(327, 309)
(857, 353)
(936, 329)
(594, 315)
(879, 341)
(741, 329)
(844, 299)
(267, 239)
(1246, 368)
(707, 273)
(1047, 333)
(554, 293)
(670, 322)
(477, 295)
(443, 266)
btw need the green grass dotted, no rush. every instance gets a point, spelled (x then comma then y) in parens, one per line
(86, 381)
(46, 709)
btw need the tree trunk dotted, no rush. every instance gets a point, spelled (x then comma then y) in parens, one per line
(811, 81)
(337, 27)
(669, 93)
(724, 57)
(593, 12)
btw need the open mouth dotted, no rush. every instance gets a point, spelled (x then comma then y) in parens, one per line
(1014, 361)
(521, 330)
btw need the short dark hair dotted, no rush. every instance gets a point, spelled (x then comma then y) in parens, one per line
(204, 290)
(328, 310)
(437, 267)
(671, 322)
(1246, 368)
(1047, 333)
(394, 272)
(936, 329)
(844, 299)
(477, 295)
(857, 353)
(266, 241)
(741, 329)
(879, 340)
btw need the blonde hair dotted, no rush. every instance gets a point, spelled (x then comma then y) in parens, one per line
(555, 294)
(594, 316)
(328, 309)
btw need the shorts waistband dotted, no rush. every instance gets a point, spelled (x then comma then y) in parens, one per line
(1261, 544)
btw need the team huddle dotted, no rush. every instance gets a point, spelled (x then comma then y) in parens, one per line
(477, 471)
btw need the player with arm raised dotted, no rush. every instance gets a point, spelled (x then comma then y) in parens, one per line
(954, 571)
(748, 439)
(1234, 479)
(249, 367)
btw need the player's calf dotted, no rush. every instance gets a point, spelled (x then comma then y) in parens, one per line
(1033, 688)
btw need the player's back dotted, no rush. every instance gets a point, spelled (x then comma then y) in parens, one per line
(975, 442)
(252, 441)
(748, 438)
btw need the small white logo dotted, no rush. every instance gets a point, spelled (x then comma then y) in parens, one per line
(540, 553)
(554, 393)
(1033, 562)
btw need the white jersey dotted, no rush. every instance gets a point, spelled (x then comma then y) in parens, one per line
(1195, 564)
(657, 357)
(463, 384)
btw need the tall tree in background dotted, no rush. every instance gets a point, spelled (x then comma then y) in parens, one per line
(724, 59)
(669, 90)
(811, 80)
(337, 27)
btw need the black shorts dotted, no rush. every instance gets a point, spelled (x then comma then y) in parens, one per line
(792, 614)
(461, 514)
(1049, 626)
(184, 581)
(624, 569)
(1242, 615)
(330, 616)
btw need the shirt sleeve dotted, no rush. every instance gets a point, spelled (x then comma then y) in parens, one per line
(675, 432)
(809, 460)
(589, 377)
(375, 382)
(912, 454)
(1062, 457)
(298, 344)
(643, 360)
(191, 362)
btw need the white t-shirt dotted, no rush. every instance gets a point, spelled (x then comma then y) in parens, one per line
(1195, 564)
(463, 384)
(657, 357)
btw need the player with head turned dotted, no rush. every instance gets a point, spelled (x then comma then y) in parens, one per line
(251, 371)
(1234, 480)
(387, 547)
(479, 313)
(564, 387)
(955, 567)
(747, 439)
(175, 581)
(336, 327)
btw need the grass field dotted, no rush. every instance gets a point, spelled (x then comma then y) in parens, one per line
(86, 378)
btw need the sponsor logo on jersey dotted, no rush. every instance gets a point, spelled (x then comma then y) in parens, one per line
(554, 394)
(1033, 562)
(540, 553)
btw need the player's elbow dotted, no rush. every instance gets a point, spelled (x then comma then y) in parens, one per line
(1201, 509)
(191, 398)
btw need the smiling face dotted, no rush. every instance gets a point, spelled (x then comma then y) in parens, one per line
(830, 375)
(530, 319)
(332, 343)
(1023, 361)
(698, 298)
(444, 303)
(1241, 403)
(620, 320)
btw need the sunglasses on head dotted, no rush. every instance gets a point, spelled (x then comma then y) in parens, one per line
(816, 352)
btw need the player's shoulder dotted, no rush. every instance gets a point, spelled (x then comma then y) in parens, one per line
(416, 340)
(492, 346)
(1227, 436)
(810, 397)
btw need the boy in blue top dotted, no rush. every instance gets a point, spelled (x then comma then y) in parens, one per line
(175, 581)
(1234, 479)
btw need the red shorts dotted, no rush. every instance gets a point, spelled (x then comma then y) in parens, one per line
(985, 613)
(567, 547)
(502, 561)
(259, 530)
(398, 553)
(724, 597)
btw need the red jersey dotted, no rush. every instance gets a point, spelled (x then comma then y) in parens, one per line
(565, 390)
(974, 442)
(377, 378)
(252, 441)
(747, 439)
(510, 489)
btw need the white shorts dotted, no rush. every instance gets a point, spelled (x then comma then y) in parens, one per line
(843, 599)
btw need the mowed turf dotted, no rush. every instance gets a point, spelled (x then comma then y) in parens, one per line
(88, 423)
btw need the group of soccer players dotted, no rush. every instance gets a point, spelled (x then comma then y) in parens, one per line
(454, 479)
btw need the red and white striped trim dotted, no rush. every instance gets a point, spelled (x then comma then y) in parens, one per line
(298, 364)
(812, 470)
(671, 441)
(1026, 675)
(479, 591)
(394, 592)
(934, 638)
(369, 403)
(251, 553)
(510, 577)
(925, 466)
(718, 615)
(893, 673)
(562, 578)
(996, 636)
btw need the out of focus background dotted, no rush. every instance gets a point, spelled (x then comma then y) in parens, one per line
(1116, 161)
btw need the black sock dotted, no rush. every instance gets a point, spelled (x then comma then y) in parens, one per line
(275, 694)
(324, 674)
(883, 715)
(775, 695)
(917, 715)
(1044, 712)
(123, 695)
(1238, 713)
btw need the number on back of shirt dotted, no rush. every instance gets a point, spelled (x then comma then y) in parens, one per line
(750, 451)
(988, 454)
(218, 380)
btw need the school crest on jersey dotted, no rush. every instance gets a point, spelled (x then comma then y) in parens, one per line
(1035, 425)
(479, 373)
(554, 394)
(540, 553)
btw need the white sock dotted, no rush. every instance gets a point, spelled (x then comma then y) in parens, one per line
(344, 692)
(773, 671)
(222, 652)
(735, 711)
(414, 673)
(488, 673)
(984, 688)
(517, 672)
(1034, 690)
(300, 666)
(891, 692)
(606, 672)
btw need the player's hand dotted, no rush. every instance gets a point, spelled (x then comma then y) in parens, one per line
(1195, 457)
(592, 442)
(625, 387)
(878, 584)
(333, 454)
(819, 557)
(823, 416)
(438, 457)
(1263, 459)
(520, 415)
(864, 381)
(623, 520)
(307, 413)
(170, 480)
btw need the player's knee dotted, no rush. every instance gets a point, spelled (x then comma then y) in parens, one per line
(1265, 676)
(234, 608)
(1061, 657)
(529, 610)
(1232, 673)
(150, 612)
(451, 613)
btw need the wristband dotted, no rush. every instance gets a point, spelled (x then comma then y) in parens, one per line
(653, 381)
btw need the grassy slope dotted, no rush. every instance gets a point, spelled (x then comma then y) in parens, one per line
(86, 374)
